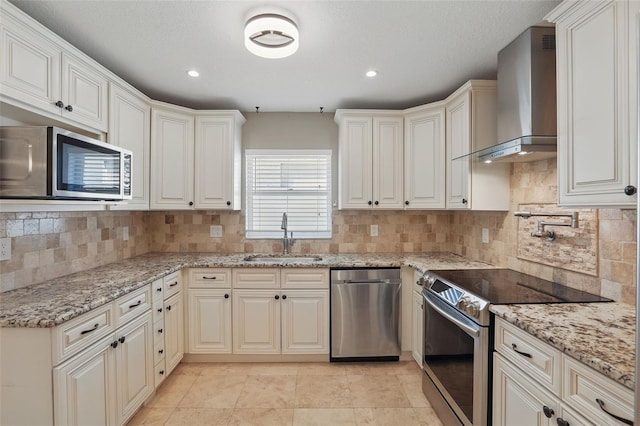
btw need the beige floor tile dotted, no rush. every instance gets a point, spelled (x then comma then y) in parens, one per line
(274, 369)
(150, 416)
(377, 391)
(321, 369)
(199, 416)
(171, 392)
(370, 368)
(407, 368)
(268, 392)
(386, 417)
(214, 392)
(189, 369)
(261, 417)
(427, 417)
(413, 390)
(410, 378)
(323, 416)
(223, 369)
(323, 392)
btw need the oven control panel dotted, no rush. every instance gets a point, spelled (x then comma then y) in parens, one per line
(461, 299)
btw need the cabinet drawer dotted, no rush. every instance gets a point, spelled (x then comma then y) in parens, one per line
(158, 311)
(256, 278)
(209, 278)
(159, 373)
(172, 284)
(539, 360)
(133, 304)
(305, 278)
(584, 387)
(158, 330)
(157, 291)
(79, 333)
(158, 351)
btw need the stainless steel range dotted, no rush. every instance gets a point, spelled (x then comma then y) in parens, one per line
(458, 334)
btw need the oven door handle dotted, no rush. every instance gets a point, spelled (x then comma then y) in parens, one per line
(466, 328)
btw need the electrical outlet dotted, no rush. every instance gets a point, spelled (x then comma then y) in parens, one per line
(374, 231)
(5, 248)
(215, 231)
(125, 233)
(485, 235)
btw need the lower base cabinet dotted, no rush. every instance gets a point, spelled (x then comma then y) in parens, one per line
(417, 329)
(209, 321)
(173, 332)
(108, 382)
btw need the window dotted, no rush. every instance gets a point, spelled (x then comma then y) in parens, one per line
(296, 182)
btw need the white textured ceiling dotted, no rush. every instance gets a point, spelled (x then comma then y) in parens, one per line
(423, 50)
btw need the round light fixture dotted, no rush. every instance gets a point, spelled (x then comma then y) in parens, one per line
(371, 73)
(271, 36)
(193, 73)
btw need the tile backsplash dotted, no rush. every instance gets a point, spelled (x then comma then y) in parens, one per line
(48, 245)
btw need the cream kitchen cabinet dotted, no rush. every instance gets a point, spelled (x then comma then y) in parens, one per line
(470, 126)
(597, 86)
(370, 159)
(209, 311)
(42, 73)
(174, 331)
(256, 321)
(305, 316)
(424, 157)
(417, 329)
(130, 127)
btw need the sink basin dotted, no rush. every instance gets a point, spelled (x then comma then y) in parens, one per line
(282, 259)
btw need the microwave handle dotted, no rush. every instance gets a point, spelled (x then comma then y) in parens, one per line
(469, 330)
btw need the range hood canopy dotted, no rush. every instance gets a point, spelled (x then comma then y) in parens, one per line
(526, 100)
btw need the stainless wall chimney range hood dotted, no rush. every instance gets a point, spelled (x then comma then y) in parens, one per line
(526, 100)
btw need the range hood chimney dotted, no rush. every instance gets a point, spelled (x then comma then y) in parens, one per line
(526, 99)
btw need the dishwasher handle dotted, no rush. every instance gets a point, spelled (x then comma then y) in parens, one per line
(366, 282)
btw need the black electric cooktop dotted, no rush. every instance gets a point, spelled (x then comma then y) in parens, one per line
(505, 286)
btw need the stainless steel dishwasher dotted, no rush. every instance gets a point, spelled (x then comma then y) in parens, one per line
(365, 314)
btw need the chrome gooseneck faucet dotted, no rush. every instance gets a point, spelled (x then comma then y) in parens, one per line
(287, 242)
(549, 234)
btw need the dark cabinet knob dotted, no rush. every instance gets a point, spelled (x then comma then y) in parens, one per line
(630, 190)
(59, 104)
(226, 296)
(190, 203)
(169, 308)
(369, 202)
(284, 296)
(122, 339)
(114, 344)
(69, 108)
(464, 201)
(277, 297)
(160, 330)
(159, 309)
(406, 203)
(228, 203)
(376, 203)
(159, 289)
(548, 411)
(161, 351)
(562, 422)
(161, 372)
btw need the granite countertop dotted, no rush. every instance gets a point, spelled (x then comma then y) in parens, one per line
(53, 302)
(600, 335)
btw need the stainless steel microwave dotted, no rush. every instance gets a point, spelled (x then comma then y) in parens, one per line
(53, 163)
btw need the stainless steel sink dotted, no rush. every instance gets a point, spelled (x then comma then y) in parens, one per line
(282, 259)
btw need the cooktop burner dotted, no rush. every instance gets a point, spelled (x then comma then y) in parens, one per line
(505, 286)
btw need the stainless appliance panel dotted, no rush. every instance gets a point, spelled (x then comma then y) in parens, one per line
(23, 161)
(365, 313)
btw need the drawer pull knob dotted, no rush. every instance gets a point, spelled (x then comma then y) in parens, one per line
(620, 419)
(515, 349)
(169, 308)
(161, 351)
(114, 344)
(562, 422)
(630, 190)
(226, 296)
(548, 411)
(209, 278)
(159, 289)
(162, 372)
(173, 284)
(91, 330)
(135, 305)
(159, 309)
(160, 331)
(122, 339)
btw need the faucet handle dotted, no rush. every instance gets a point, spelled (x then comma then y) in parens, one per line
(291, 240)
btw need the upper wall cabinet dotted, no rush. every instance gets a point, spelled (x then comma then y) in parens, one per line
(130, 127)
(370, 159)
(37, 74)
(470, 126)
(597, 102)
(424, 157)
(218, 161)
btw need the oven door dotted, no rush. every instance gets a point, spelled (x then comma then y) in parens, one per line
(456, 354)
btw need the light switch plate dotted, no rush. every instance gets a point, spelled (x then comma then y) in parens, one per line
(485, 235)
(125, 233)
(215, 231)
(374, 230)
(5, 248)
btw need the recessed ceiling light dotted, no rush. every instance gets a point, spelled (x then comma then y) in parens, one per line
(271, 35)
(371, 73)
(193, 73)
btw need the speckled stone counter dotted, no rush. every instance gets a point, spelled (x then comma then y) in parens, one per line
(53, 302)
(600, 335)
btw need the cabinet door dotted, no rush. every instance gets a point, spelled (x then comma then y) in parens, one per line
(305, 322)
(84, 390)
(216, 153)
(417, 329)
(518, 400)
(355, 159)
(134, 366)
(458, 143)
(130, 128)
(209, 321)
(171, 160)
(388, 177)
(84, 92)
(256, 321)
(597, 104)
(424, 160)
(173, 331)
(29, 66)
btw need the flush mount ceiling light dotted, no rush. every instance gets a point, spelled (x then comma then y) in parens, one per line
(371, 73)
(193, 73)
(271, 35)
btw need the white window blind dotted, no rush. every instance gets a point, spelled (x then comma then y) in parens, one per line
(296, 182)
